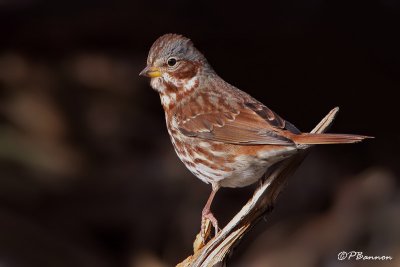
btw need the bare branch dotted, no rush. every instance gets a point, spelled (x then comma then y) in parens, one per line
(214, 253)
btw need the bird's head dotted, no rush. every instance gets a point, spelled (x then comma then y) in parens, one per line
(174, 64)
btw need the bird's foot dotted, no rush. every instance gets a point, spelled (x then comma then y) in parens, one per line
(208, 219)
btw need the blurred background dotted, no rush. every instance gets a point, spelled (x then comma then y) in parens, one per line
(88, 176)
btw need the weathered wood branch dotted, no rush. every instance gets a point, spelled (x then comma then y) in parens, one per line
(215, 252)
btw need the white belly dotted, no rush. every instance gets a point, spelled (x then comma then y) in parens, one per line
(208, 165)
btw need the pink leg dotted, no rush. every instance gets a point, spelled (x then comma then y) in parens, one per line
(207, 214)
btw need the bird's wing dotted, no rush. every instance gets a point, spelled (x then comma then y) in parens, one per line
(249, 123)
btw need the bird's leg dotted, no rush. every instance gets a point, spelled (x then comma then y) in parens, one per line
(207, 214)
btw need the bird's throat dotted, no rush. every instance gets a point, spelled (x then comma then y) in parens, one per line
(173, 94)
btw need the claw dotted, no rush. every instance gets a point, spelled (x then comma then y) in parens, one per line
(207, 218)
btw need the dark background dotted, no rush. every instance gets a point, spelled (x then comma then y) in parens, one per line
(88, 176)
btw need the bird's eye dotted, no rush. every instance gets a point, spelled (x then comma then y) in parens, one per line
(171, 62)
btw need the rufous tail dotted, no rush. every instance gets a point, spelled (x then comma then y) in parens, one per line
(319, 139)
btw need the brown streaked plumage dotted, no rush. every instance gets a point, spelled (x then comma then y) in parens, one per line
(222, 135)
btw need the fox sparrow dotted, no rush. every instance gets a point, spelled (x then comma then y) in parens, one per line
(224, 136)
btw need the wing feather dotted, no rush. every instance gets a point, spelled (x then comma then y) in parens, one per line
(246, 125)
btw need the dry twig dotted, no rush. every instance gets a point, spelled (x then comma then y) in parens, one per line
(214, 253)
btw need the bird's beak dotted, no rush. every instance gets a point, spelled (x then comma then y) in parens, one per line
(151, 72)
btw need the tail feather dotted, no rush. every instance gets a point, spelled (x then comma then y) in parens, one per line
(318, 139)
